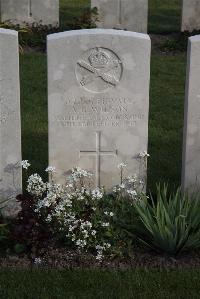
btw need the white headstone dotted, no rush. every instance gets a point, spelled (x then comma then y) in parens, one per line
(130, 15)
(44, 12)
(98, 88)
(191, 144)
(10, 124)
(190, 15)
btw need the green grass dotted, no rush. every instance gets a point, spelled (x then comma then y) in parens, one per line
(34, 110)
(71, 10)
(164, 16)
(16, 284)
(166, 118)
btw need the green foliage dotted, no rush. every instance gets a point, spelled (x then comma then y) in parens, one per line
(164, 16)
(86, 18)
(31, 35)
(171, 224)
(19, 248)
(4, 231)
(175, 44)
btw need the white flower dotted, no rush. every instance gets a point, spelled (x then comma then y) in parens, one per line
(97, 194)
(122, 186)
(99, 256)
(86, 224)
(132, 192)
(85, 232)
(144, 154)
(132, 179)
(99, 247)
(93, 232)
(115, 189)
(105, 224)
(121, 165)
(106, 245)
(78, 173)
(36, 186)
(37, 261)
(49, 218)
(25, 164)
(111, 214)
(81, 243)
(50, 169)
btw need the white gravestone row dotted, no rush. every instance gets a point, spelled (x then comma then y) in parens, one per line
(130, 15)
(44, 12)
(191, 140)
(190, 15)
(10, 124)
(98, 87)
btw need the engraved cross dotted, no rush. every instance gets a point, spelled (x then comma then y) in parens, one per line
(98, 153)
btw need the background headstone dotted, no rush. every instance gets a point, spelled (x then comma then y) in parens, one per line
(191, 144)
(130, 15)
(190, 15)
(10, 124)
(98, 97)
(44, 12)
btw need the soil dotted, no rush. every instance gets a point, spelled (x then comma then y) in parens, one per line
(65, 259)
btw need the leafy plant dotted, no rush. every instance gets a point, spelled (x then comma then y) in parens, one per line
(31, 35)
(28, 231)
(171, 224)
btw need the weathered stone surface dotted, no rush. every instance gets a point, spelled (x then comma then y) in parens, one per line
(191, 144)
(98, 86)
(190, 15)
(122, 14)
(10, 125)
(45, 12)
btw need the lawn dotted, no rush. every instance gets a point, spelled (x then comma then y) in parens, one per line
(164, 16)
(19, 284)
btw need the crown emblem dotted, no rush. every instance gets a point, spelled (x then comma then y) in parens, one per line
(99, 59)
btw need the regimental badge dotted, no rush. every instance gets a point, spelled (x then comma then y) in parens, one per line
(99, 69)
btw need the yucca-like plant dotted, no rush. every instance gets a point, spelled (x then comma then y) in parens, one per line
(169, 224)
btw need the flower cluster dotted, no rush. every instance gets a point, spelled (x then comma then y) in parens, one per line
(144, 155)
(101, 249)
(25, 164)
(85, 217)
(36, 186)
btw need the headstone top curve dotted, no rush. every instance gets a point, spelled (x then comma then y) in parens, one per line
(195, 38)
(83, 32)
(8, 31)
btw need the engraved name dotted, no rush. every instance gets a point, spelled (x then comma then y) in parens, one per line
(99, 112)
